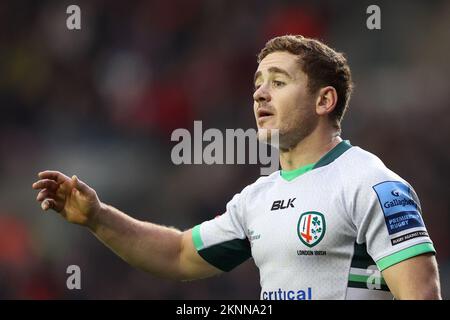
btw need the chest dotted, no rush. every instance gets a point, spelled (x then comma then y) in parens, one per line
(294, 223)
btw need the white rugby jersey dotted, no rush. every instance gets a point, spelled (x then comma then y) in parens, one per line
(324, 231)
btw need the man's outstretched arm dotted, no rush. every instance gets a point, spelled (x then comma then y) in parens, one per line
(162, 251)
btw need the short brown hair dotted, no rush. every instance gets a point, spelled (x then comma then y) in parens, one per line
(323, 66)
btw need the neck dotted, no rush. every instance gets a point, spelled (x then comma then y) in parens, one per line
(310, 149)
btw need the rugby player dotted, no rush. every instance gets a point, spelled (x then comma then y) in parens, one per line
(333, 223)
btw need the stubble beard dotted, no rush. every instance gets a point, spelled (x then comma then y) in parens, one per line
(297, 132)
(287, 138)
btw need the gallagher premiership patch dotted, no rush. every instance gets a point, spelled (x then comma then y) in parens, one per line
(401, 212)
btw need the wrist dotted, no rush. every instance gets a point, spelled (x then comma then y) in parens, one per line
(94, 220)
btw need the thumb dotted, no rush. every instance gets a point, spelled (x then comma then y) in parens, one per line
(79, 185)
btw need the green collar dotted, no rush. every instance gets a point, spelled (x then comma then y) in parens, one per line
(331, 155)
(292, 174)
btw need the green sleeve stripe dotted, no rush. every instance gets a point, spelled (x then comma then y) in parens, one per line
(225, 255)
(404, 254)
(361, 278)
(198, 243)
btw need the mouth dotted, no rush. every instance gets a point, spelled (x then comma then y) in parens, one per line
(263, 114)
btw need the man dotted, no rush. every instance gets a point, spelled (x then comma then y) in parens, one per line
(321, 228)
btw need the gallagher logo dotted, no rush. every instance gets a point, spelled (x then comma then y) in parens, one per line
(311, 228)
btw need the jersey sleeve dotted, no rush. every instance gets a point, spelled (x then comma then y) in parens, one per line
(388, 219)
(222, 241)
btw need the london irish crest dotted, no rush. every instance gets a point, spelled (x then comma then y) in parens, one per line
(311, 228)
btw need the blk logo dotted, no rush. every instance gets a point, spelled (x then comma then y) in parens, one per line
(279, 204)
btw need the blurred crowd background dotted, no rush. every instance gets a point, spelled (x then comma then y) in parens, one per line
(103, 101)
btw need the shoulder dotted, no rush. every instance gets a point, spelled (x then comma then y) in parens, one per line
(259, 186)
(262, 183)
(252, 191)
(358, 166)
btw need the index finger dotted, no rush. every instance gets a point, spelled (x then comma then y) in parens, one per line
(54, 175)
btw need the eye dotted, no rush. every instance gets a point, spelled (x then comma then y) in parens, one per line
(257, 86)
(278, 84)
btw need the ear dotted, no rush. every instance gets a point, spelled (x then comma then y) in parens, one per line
(326, 100)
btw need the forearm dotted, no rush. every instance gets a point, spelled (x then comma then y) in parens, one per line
(150, 247)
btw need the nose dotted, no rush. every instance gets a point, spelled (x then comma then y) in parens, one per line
(261, 94)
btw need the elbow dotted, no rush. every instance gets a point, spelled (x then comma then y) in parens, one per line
(166, 274)
(179, 276)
